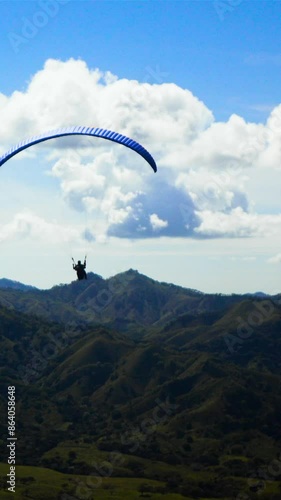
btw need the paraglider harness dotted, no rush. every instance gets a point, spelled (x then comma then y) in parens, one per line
(80, 269)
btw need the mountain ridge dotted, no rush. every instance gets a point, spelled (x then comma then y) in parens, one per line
(128, 302)
(7, 283)
(183, 386)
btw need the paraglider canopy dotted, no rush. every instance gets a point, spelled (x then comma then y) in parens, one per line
(95, 132)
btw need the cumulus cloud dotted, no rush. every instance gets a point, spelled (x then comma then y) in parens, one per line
(28, 225)
(237, 224)
(200, 189)
(213, 190)
(163, 210)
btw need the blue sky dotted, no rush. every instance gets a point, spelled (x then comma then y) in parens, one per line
(205, 75)
(226, 54)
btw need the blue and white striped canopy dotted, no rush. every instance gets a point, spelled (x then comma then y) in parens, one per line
(94, 132)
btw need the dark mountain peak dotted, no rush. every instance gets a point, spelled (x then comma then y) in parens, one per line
(132, 271)
(132, 278)
(131, 274)
(16, 285)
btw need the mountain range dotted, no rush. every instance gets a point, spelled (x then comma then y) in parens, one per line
(128, 301)
(145, 387)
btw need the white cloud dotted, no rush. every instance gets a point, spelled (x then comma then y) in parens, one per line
(26, 225)
(200, 189)
(213, 190)
(157, 223)
(237, 224)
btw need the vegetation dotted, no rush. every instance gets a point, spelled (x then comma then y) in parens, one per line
(167, 393)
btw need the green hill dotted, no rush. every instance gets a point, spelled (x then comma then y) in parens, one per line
(170, 394)
(129, 302)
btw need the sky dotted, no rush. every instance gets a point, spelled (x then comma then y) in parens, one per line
(197, 83)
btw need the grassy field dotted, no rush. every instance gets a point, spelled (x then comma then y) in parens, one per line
(38, 483)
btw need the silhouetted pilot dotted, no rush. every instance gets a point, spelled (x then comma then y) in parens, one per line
(80, 270)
